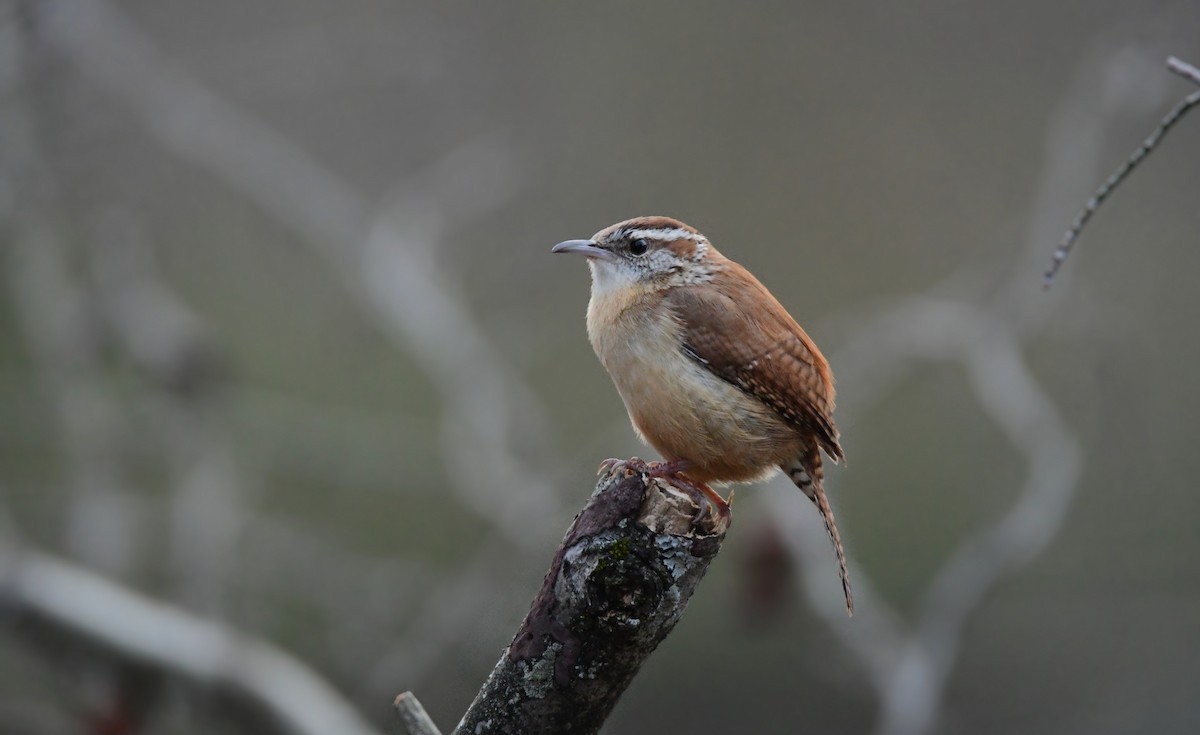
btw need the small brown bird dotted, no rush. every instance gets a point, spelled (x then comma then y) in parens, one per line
(714, 372)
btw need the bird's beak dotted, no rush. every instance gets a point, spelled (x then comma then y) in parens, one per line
(586, 248)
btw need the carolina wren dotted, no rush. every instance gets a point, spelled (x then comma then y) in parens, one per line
(714, 372)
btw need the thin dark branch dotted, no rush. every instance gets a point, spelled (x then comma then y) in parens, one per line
(618, 584)
(1068, 242)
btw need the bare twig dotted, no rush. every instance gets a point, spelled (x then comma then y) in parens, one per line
(1183, 69)
(1187, 103)
(413, 717)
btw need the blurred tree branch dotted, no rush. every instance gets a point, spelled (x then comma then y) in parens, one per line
(68, 323)
(170, 348)
(133, 627)
(385, 258)
(61, 331)
(911, 663)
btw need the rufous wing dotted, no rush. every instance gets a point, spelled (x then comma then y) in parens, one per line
(734, 326)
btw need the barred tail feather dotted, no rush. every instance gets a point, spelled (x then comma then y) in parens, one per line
(809, 475)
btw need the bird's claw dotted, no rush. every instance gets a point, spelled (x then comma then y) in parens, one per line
(608, 466)
(703, 507)
(720, 510)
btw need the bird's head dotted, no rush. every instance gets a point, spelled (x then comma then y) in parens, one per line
(646, 253)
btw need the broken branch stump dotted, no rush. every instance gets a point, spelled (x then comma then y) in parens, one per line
(617, 585)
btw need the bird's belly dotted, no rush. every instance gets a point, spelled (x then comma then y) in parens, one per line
(688, 413)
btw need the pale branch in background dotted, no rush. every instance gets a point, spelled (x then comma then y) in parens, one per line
(482, 394)
(1011, 397)
(910, 664)
(617, 585)
(1187, 71)
(384, 258)
(136, 628)
(53, 313)
(181, 367)
(70, 320)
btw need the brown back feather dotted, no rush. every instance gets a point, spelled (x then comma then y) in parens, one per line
(762, 351)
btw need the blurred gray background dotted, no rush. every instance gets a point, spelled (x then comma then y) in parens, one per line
(282, 346)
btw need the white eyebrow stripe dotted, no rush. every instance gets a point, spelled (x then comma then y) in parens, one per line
(665, 234)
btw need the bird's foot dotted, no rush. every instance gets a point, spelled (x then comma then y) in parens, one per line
(708, 501)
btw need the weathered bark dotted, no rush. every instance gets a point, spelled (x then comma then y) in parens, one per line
(619, 582)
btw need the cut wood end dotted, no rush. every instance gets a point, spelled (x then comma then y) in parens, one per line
(668, 509)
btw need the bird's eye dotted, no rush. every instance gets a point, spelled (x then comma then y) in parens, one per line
(639, 247)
